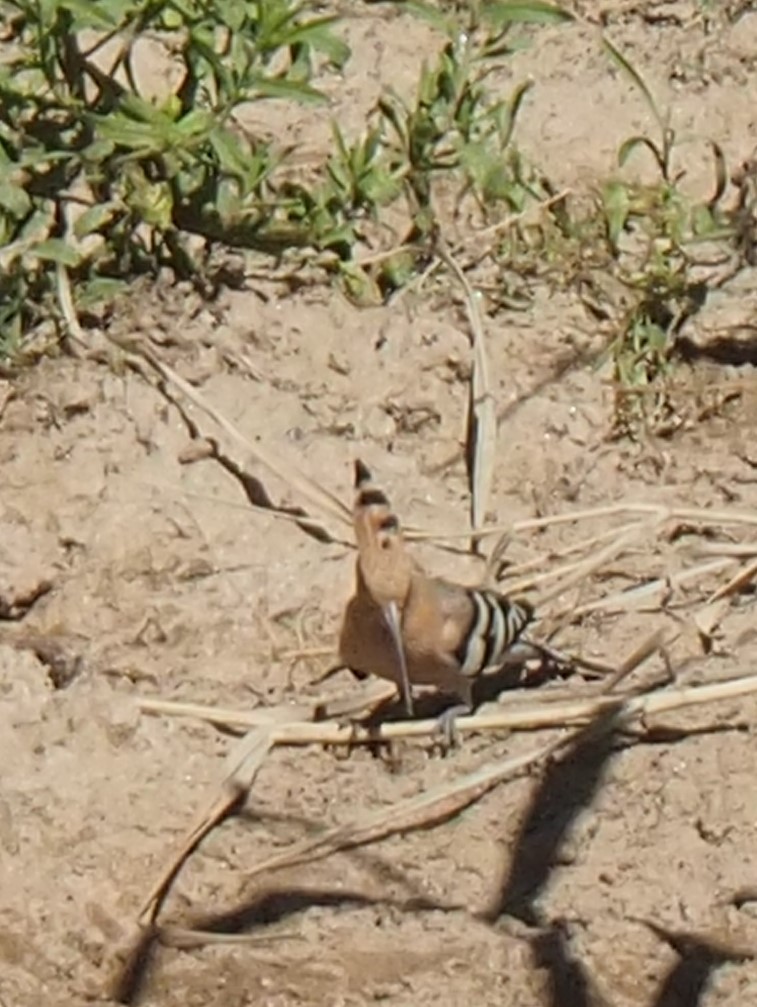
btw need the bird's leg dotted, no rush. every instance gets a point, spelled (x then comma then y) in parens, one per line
(446, 725)
(392, 617)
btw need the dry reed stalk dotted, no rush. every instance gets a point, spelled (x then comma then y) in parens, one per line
(186, 938)
(442, 802)
(240, 769)
(743, 550)
(583, 545)
(583, 570)
(660, 512)
(374, 694)
(482, 417)
(520, 717)
(431, 807)
(271, 459)
(539, 524)
(739, 580)
(624, 600)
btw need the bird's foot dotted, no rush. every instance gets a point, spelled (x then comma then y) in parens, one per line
(446, 730)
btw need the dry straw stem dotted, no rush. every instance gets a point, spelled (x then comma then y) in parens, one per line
(623, 538)
(240, 769)
(516, 717)
(739, 580)
(181, 937)
(538, 562)
(247, 505)
(289, 473)
(578, 572)
(271, 458)
(745, 550)
(653, 592)
(536, 717)
(331, 505)
(365, 700)
(661, 513)
(245, 759)
(482, 417)
(444, 801)
(431, 807)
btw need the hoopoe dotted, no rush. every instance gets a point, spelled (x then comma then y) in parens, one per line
(413, 629)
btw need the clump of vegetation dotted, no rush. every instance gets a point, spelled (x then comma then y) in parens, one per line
(101, 179)
(653, 232)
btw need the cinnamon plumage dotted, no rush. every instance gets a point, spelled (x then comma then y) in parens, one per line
(413, 629)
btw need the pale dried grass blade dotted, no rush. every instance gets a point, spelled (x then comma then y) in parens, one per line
(739, 580)
(642, 653)
(665, 700)
(536, 524)
(482, 416)
(661, 512)
(66, 303)
(583, 545)
(247, 505)
(587, 567)
(714, 517)
(515, 717)
(431, 807)
(708, 618)
(272, 459)
(225, 716)
(624, 600)
(562, 657)
(307, 732)
(741, 549)
(579, 570)
(496, 558)
(185, 938)
(240, 768)
(356, 703)
(441, 803)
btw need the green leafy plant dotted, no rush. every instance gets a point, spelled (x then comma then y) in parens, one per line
(454, 123)
(652, 231)
(453, 133)
(101, 178)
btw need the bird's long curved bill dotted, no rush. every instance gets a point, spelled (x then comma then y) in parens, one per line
(392, 617)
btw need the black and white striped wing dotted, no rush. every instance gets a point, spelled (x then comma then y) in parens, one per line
(496, 624)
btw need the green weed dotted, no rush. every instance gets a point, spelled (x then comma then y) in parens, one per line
(100, 178)
(652, 231)
(106, 181)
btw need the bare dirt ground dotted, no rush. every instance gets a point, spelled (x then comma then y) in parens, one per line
(156, 578)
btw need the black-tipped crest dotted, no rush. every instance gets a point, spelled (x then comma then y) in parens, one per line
(362, 474)
(372, 507)
(372, 498)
